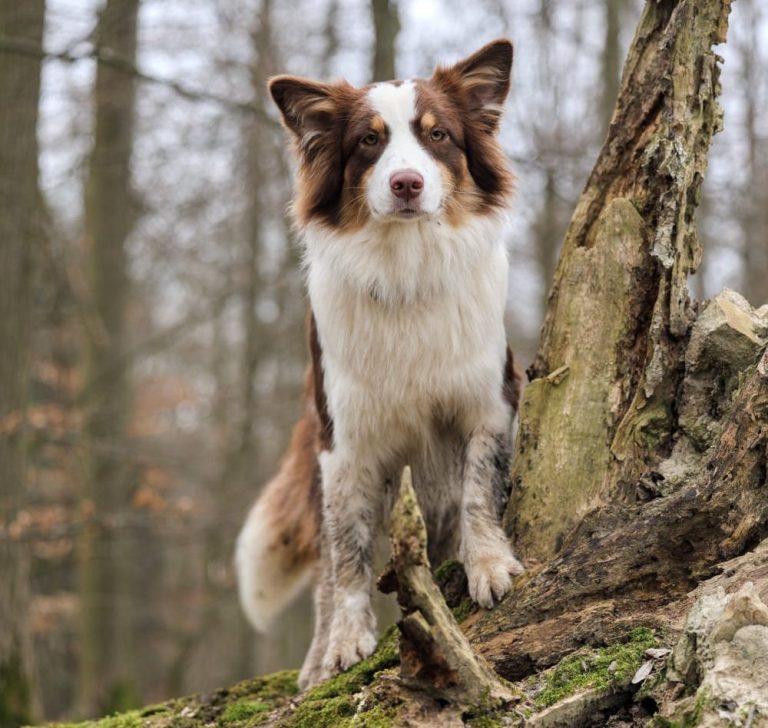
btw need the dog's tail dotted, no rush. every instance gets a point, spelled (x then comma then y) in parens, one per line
(278, 546)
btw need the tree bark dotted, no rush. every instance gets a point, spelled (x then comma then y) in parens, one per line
(599, 410)
(107, 560)
(21, 233)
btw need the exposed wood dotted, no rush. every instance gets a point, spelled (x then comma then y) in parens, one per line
(434, 654)
(598, 411)
(623, 565)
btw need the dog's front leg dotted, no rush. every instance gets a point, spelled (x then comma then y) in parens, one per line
(485, 549)
(351, 510)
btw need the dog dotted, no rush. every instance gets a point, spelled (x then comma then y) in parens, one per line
(402, 195)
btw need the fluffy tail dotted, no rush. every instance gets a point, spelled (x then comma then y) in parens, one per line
(278, 546)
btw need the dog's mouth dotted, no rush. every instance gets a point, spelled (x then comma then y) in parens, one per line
(407, 213)
(403, 212)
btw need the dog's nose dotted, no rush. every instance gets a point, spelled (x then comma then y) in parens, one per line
(406, 184)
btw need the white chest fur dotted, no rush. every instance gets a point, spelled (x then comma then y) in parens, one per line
(410, 320)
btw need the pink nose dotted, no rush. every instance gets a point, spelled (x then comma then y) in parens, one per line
(406, 184)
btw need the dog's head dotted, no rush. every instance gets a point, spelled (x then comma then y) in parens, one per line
(401, 150)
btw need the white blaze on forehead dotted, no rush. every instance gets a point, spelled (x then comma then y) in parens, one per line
(397, 107)
(395, 104)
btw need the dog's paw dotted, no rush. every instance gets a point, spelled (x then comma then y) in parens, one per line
(311, 675)
(490, 576)
(347, 649)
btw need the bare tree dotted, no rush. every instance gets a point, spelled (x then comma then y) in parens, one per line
(107, 668)
(386, 26)
(20, 236)
(752, 203)
(611, 58)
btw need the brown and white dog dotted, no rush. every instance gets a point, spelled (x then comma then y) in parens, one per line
(402, 195)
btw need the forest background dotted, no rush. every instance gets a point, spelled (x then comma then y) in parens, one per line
(151, 298)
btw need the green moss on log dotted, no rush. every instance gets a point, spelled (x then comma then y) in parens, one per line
(604, 668)
(246, 704)
(243, 711)
(361, 674)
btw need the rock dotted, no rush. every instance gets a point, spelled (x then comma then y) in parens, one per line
(725, 340)
(723, 655)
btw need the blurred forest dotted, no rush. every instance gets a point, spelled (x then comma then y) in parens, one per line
(152, 306)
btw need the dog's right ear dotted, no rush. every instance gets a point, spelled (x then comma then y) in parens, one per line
(309, 108)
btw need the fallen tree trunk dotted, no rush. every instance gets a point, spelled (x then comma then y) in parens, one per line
(639, 483)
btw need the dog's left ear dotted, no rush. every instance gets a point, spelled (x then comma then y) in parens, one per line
(310, 109)
(481, 81)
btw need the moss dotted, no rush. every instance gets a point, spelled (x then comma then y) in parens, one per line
(361, 674)
(463, 611)
(243, 710)
(332, 704)
(131, 719)
(340, 712)
(448, 570)
(589, 669)
(452, 580)
(327, 713)
(377, 717)
(269, 688)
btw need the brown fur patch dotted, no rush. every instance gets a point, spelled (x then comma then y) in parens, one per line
(293, 497)
(513, 381)
(316, 115)
(428, 121)
(315, 386)
(378, 125)
(476, 89)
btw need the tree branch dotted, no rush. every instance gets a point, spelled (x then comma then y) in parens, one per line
(434, 654)
(108, 57)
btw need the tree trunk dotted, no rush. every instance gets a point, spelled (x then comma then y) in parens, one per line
(611, 59)
(386, 26)
(20, 235)
(599, 411)
(753, 216)
(107, 556)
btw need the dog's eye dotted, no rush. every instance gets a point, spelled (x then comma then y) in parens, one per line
(370, 139)
(437, 135)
